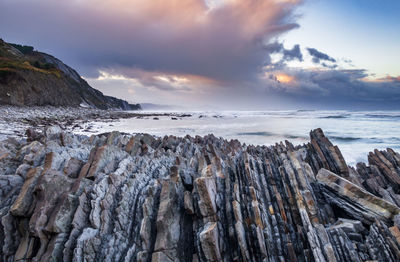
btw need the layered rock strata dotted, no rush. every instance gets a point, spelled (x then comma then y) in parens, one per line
(118, 197)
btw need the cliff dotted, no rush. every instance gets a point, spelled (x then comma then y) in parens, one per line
(29, 78)
(118, 197)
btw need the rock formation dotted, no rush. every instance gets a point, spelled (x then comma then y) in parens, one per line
(118, 197)
(32, 78)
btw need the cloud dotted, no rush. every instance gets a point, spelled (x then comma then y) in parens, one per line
(391, 79)
(332, 88)
(293, 54)
(287, 54)
(224, 42)
(317, 56)
(329, 66)
(192, 52)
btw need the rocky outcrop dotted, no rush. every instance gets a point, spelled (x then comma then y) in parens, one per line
(32, 78)
(118, 197)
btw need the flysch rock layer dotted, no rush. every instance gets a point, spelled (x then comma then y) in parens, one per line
(118, 197)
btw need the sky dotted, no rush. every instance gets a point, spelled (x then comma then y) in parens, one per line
(222, 54)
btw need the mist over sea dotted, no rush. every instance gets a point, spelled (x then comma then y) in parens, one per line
(355, 132)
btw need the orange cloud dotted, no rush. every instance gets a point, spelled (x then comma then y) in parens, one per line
(392, 78)
(284, 78)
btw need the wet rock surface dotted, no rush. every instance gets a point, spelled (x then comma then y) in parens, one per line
(118, 197)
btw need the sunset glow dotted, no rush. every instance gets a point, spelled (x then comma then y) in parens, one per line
(283, 78)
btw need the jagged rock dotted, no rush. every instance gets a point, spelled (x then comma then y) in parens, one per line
(188, 200)
(209, 242)
(355, 201)
(207, 191)
(168, 219)
(348, 225)
(73, 167)
(117, 197)
(23, 204)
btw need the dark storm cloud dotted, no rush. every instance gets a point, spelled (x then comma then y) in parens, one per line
(287, 54)
(329, 66)
(350, 89)
(292, 54)
(318, 56)
(170, 36)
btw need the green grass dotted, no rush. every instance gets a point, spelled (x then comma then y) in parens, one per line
(7, 64)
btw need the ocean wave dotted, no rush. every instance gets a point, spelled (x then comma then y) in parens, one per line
(395, 139)
(344, 138)
(365, 140)
(256, 134)
(305, 110)
(293, 137)
(269, 134)
(382, 116)
(336, 116)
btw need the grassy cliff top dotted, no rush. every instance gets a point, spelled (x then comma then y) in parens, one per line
(15, 57)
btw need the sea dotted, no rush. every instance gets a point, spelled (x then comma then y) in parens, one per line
(355, 132)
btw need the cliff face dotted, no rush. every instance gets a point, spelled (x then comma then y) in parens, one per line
(30, 78)
(117, 197)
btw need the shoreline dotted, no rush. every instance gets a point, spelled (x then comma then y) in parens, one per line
(356, 133)
(14, 120)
